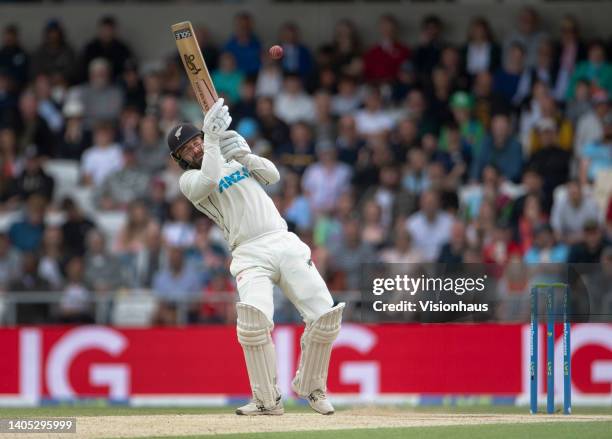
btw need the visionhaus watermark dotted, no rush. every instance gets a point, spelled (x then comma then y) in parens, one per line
(428, 289)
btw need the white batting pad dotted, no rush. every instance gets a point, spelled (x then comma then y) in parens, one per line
(316, 343)
(254, 336)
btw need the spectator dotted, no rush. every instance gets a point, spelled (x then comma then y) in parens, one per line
(227, 78)
(438, 93)
(347, 49)
(427, 53)
(75, 228)
(174, 285)
(596, 157)
(381, 63)
(546, 66)
(9, 166)
(299, 153)
(500, 149)
(54, 53)
(416, 108)
(373, 231)
(122, 187)
(500, 247)
(32, 129)
(325, 180)
(151, 153)
(590, 126)
(179, 231)
(531, 217)
(26, 234)
(29, 281)
(129, 122)
(550, 161)
(48, 107)
(481, 53)
(430, 227)
(149, 258)
(75, 138)
(293, 104)
(8, 99)
(533, 184)
(547, 109)
(571, 51)
(373, 119)
(589, 250)
(169, 113)
(244, 44)
(348, 99)
(471, 130)
(245, 106)
(596, 69)
(402, 251)
(452, 251)
(52, 257)
(33, 180)
(104, 272)
(349, 255)
(133, 87)
(296, 56)
(131, 237)
(157, 202)
(13, 58)
(571, 210)
(297, 209)
(325, 123)
(75, 304)
(487, 102)
(544, 249)
(108, 46)
(10, 262)
(103, 158)
(513, 80)
(269, 79)
(102, 100)
(580, 104)
(527, 34)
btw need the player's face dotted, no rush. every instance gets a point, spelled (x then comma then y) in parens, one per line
(193, 151)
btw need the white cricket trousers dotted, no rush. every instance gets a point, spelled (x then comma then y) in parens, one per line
(280, 258)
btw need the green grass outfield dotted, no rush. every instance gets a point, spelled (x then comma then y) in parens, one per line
(559, 428)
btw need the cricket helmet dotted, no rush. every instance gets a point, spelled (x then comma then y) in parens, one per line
(179, 136)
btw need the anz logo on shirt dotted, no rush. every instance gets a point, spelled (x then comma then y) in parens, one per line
(235, 177)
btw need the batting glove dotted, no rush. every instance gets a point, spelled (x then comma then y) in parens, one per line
(217, 119)
(233, 146)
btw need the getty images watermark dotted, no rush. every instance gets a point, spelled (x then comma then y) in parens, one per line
(438, 288)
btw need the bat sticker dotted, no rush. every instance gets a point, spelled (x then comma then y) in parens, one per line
(190, 64)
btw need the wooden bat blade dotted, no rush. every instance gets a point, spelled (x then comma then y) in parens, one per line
(194, 64)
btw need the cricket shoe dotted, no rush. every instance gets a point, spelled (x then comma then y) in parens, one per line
(256, 408)
(319, 402)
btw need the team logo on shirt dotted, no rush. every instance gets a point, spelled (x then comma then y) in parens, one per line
(233, 178)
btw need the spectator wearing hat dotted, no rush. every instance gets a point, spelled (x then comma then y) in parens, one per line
(590, 248)
(596, 69)
(326, 179)
(550, 161)
(54, 55)
(244, 44)
(13, 58)
(590, 126)
(108, 46)
(102, 100)
(545, 249)
(596, 157)
(472, 131)
(75, 138)
(571, 211)
(381, 63)
(103, 158)
(481, 53)
(500, 149)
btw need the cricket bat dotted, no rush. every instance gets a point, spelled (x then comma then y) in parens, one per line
(194, 64)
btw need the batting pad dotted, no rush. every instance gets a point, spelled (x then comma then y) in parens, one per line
(254, 336)
(316, 344)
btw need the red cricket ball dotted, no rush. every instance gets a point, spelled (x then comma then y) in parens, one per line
(276, 52)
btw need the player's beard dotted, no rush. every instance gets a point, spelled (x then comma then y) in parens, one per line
(196, 163)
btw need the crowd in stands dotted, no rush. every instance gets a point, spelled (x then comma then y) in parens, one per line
(496, 148)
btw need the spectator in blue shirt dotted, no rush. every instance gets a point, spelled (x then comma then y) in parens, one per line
(596, 156)
(26, 234)
(500, 149)
(245, 45)
(544, 248)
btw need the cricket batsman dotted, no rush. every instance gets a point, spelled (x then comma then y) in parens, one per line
(222, 179)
